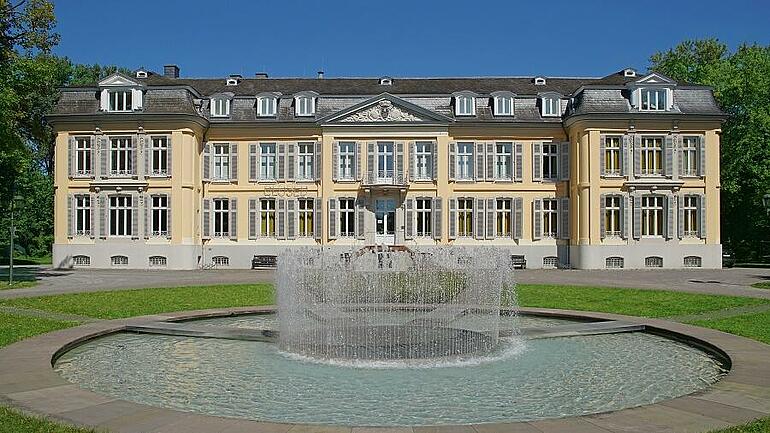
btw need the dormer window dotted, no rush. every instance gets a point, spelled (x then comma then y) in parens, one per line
(551, 106)
(120, 94)
(220, 107)
(141, 74)
(232, 82)
(386, 81)
(266, 106)
(653, 99)
(503, 105)
(629, 72)
(120, 100)
(304, 106)
(540, 81)
(465, 105)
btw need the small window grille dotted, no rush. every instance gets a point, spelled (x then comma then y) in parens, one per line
(614, 263)
(81, 261)
(653, 262)
(157, 261)
(693, 262)
(220, 261)
(119, 260)
(550, 262)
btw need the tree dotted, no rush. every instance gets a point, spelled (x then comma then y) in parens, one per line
(26, 25)
(741, 83)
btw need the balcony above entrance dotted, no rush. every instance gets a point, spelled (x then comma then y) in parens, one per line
(385, 179)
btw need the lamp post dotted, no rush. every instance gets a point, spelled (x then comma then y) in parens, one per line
(13, 235)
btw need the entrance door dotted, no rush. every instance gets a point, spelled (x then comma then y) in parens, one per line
(385, 214)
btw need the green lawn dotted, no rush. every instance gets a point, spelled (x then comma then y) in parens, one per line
(119, 304)
(762, 285)
(22, 277)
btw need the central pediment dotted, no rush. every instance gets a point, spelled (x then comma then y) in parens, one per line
(385, 109)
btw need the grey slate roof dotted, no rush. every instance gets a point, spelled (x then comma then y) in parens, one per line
(190, 96)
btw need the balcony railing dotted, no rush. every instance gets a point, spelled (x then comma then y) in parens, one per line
(384, 178)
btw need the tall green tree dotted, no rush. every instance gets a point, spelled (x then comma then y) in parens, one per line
(741, 83)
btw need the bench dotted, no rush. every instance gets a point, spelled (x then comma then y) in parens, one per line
(264, 261)
(518, 261)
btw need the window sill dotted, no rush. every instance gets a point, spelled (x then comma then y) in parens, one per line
(423, 180)
(158, 176)
(222, 181)
(613, 176)
(351, 180)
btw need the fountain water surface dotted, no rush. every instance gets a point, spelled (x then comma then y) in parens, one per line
(380, 305)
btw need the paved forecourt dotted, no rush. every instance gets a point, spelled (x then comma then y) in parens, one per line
(28, 381)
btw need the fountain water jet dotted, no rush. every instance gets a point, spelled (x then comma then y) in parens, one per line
(375, 304)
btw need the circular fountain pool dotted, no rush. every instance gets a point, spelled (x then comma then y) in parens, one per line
(526, 380)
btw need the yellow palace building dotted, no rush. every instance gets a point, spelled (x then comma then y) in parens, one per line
(156, 170)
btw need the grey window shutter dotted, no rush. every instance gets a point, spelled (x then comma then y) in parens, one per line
(258, 218)
(434, 160)
(92, 209)
(478, 214)
(134, 216)
(333, 219)
(70, 217)
(370, 160)
(317, 161)
(71, 155)
(537, 219)
(234, 161)
(291, 161)
(168, 216)
(360, 218)
(670, 216)
(518, 218)
(668, 150)
(412, 159)
(479, 155)
(291, 218)
(253, 218)
(637, 154)
(518, 152)
(702, 216)
(134, 156)
(233, 223)
(399, 169)
(452, 161)
(357, 166)
(104, 214)
(490, 161)
(637, 220)
(105, 157)
(169, 159)
(452, 218)
(146, 146)
(409, 218)
(147, 215)
(602, 155)
(701, 155)
(624, 146)
(491, 215)
(92, 153)
(564, 161)
(438, 218)
(564, 220)
(281, 169)
(280, 232)
(537, 162)
(206, 165)
(624, 217)
(253, 175)
(318, 219)
(680, 215)
(603, 215)
(335, 160)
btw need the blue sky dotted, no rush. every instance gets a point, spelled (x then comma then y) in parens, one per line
(400, 38)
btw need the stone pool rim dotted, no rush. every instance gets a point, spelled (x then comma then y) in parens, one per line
(29, 382)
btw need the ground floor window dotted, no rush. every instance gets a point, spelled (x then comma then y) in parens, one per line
(653, 262)
(221, 217)
(465, 217)
(160, 215)
(614, 263)
(652, 215)
(612, 215)
(267, 216)
(424, 227)
(347, 217)
(121, 211)
(305, 217)
(83, 215)
(550, 217)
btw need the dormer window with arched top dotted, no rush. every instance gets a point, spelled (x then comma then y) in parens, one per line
(550, 105)
(266, 105)
(304, 105)
(539, 81)
(141, 74)
(220, 106)
(465, 105)
(502, 103)
(120, 94)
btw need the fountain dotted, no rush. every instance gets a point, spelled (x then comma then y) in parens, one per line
(380, 305)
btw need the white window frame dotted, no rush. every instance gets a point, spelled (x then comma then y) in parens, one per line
(83, 209)
(268, 170)
(266, 106)
(386, 160)
(550, 217)
(347, 160)
(83, 156)
(304, 106)
(550, 162)
(267, 217)
(221, 161)
(503, 223)
(120, 100)
(121, 156)
(653, 99)
(423, 163)
(424, 214)
(651, 154)
(305, 212)
(504, 160)
(465, 220)
(689, 155)
(690, 215)
(220, 107)
(612, 155)
(159, 154)
(159, 215)
(465, 164)
(612, 216)
(347, 210)
(120, 215)
(551, 106)
(305, 160)
(221, 210)
(653, 218)
(503, 105)
(465, 105)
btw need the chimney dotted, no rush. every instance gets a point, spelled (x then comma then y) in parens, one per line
(261, 75)
(171, 71)
(320, 74)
